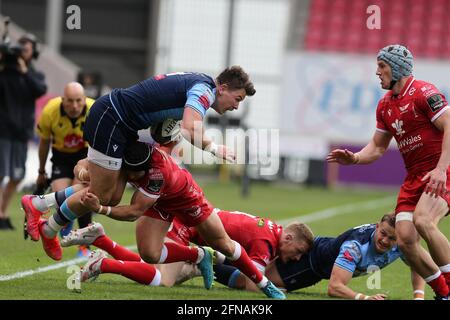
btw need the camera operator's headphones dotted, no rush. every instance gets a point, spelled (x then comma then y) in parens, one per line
(31, 38)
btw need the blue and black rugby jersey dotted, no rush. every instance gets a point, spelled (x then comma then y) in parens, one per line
(353, 251)
(162, 97)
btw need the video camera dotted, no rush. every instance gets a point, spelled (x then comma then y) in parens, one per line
(9, 52)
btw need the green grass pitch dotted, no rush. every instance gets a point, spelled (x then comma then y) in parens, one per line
(269, 200)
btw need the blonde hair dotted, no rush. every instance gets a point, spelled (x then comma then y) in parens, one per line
(302, 232)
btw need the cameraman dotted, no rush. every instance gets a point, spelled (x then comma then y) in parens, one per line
(20, 86)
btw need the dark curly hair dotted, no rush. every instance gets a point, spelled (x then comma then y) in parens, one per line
(236, 78)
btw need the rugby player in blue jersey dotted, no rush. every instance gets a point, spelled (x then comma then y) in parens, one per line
(114, 121)
(351, 254)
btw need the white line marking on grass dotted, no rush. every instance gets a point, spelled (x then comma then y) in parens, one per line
(311, 217)
(59, 265)
(339, 210)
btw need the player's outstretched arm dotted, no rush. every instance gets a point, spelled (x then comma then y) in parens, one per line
(192, 131)
(139, 204)
(370, 153)
(338, 288)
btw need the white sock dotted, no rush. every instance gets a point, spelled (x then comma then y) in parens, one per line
(50, 199)
(156, 279)
(263, 282)
(237, 251)
(163, 256)
(45, 202)
(432, 277)
(220, 257)
(445, 269)
(201, 254)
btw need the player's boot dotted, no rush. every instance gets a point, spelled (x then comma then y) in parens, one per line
(91, 270)
(206, 267)
(273, 292)
(85, 236)
(437, 297)
(32, 217)
(51, 245)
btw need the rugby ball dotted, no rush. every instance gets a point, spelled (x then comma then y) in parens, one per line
(166, 131)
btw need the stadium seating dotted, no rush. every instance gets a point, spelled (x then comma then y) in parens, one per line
(340, 26)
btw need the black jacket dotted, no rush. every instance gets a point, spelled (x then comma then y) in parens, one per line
(18, 93)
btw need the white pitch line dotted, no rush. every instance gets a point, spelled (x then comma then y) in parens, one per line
(59, 265)
(311, 217)
(339, 210)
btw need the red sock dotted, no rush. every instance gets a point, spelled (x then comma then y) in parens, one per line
(177, 252)
(246, 266)
(439, 286)
(447, 278)
(116, 250)
(138, 271)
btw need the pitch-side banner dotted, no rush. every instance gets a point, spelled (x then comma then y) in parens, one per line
(334, 96)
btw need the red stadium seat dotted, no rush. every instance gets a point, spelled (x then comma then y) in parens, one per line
(422, 25)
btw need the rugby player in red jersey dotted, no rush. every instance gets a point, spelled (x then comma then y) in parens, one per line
(263, 240)
(417, 115)
(164, 191)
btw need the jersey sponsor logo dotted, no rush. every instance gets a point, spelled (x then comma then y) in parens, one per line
(73, 141)
(113, 163)
(409, 140)
(425, 88)
(404, 108)
(429, 92)
(355, 251)
(155, 180)
(154, 185)
(435, 102)
(397, 125)
(411, 91)
(260, 222)
(348, 256)
(159, 76)
(204, 101)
